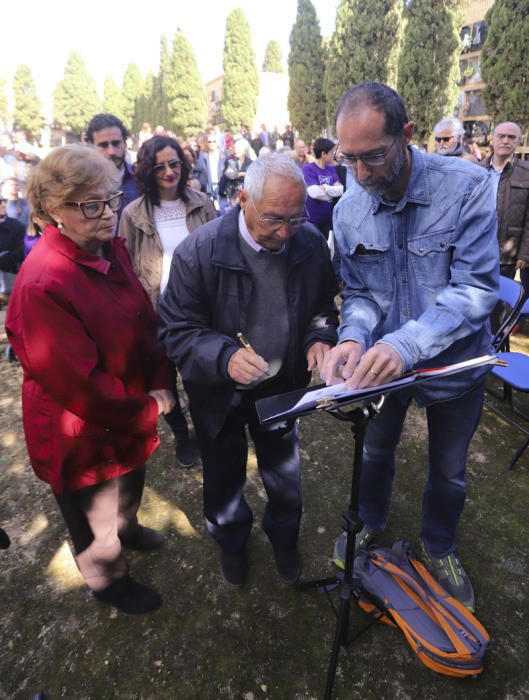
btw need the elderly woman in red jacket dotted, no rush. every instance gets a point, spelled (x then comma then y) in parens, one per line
(95, 376)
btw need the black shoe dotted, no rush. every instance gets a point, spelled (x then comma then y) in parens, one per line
(129, 596)
(234, 568)
(185, 452)
(288, 565)
(143, 538)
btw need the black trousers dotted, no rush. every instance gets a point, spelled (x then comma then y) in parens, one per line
(224, 459)
(96, 516)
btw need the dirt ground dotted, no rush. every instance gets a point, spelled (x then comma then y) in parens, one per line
(266, 642)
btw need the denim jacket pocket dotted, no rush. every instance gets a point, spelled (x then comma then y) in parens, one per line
(430, 258)
(370, 267)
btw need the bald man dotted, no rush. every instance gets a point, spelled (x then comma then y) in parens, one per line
(511, 180)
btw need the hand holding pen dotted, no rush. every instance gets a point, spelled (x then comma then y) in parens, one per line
(245, 366)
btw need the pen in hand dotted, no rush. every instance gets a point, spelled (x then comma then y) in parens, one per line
(246, 345)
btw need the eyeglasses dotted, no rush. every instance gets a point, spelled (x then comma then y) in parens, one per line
(115, 144)
(444, 139)
(95, 208)
(373, 159)
(171, 164)
(272, 224)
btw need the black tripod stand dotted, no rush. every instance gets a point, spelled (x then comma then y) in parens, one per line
(359, 417)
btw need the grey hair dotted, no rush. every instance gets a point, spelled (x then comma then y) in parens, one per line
(277, 164)
(450, 123)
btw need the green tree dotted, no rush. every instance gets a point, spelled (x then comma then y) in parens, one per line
(160, 105)
(27, 114)
(241, 79)
(365, 46)
(75, 100)
(131, 91)
(113, 101)
(186, 97)
(4, 109)
(145, 103)
(272, 59)
(505, 62)
(306, 101)
(429, 62)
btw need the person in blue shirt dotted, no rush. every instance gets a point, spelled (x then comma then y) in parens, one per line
(417, 237)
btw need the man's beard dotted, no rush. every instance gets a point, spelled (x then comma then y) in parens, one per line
(444, 150)
(380, 185)
(118, 162)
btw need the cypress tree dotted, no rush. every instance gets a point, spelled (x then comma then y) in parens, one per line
(27, 114)
(131, 91)
(365, 46)
(160, 106)
(306, 101)
(113, 102)
(429, 62)
(186, 97)
(241, 79)
(505, 62)
(145, 103)
(75, 100)
(272, 58)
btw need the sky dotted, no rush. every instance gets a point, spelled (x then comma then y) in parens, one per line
(110, 35)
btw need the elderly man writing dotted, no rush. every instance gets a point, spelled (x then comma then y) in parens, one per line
(263, 272)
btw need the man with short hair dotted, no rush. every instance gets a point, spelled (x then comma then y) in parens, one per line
(262, 271)
(109, 135)
(510, 177)
(417, 236)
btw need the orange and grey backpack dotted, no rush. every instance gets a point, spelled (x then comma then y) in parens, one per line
(399, 590)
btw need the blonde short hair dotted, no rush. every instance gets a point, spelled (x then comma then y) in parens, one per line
(65, 173)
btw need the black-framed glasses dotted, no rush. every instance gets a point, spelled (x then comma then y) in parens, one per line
(171, 164)
(372, 159)
(95, 208)
(272, 224)
(443, 139)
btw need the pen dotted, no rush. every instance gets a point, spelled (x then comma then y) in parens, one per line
(246, 345)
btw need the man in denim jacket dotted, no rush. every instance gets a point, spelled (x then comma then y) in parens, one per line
(417, 237)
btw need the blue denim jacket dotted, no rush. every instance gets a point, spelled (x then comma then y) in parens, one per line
(422, 274)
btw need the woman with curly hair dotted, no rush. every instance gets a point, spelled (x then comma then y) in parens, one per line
(153, 225)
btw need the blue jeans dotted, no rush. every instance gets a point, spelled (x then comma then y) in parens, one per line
(451, 425)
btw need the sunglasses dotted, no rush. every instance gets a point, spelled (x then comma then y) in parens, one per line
(444, 139)
(171, 164)
(115, 144)
(95, 208)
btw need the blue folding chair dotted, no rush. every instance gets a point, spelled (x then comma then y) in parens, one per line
(516, 374)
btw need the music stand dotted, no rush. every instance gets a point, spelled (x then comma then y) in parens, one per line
(359, 418)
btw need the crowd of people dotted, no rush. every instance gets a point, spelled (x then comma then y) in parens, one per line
(206, 265)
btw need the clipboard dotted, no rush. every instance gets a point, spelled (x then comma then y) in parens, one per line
(302, 402)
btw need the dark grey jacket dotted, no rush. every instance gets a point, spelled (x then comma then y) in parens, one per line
(512, 207)
(206, 303)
